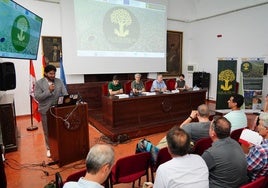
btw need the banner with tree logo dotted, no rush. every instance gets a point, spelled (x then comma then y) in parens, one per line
(252, 77)
(226, 84)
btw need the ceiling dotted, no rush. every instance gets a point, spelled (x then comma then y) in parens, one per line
(194, 10)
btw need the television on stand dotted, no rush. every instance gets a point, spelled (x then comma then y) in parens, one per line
(20, 31)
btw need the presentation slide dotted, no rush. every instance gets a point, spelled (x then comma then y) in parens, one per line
(114, 36)
(127, 29)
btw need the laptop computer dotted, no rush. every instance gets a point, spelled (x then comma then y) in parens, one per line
(67, 100)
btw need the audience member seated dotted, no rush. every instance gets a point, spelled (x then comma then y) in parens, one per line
(265, 108)
(225, 158)
(237, 117)
(99, 162)
(159, 84)
(180, 83)
(256, 121)
(183, 170)
(196, 130)
(257, 155)
(137, 85)
(115, 87)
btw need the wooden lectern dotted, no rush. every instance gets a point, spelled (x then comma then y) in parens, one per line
(68, 133)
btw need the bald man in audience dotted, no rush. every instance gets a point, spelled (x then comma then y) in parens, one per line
(225, 159)
(183, 170)
(196, 130)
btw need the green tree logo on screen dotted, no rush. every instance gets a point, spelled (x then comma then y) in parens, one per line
(123, 19)
(20, 33)
(121, 27)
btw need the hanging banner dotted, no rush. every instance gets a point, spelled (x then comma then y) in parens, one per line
(226, 84)
(252, 74)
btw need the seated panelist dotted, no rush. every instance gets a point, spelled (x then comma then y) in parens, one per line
(137, 85)
(180, 83)
(115, 87)
(159, 84)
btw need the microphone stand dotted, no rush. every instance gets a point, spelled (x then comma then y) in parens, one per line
(32, 127)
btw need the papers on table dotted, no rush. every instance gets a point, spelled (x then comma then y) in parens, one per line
(149, 93)
(250, 137)
(121, 96)
(175, 91)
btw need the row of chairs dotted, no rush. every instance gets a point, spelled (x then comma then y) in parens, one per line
(131, 168)
(261, 182)
(147, 84)
(126, 170)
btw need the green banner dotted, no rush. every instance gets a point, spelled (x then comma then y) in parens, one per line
(226, 84)
(252, 74)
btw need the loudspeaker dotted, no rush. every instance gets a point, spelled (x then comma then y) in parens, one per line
(7, 76)
(201, 79)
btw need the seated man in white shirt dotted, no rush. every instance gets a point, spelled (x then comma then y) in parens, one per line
(237, 117)
(183, 170)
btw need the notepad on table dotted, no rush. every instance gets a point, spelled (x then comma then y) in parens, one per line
(248, 137)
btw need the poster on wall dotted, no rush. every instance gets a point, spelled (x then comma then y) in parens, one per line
(252, 76)
(226, 81)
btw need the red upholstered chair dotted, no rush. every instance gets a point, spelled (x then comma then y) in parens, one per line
(171, 84)
(148, 85)
(127, 87)
(162, 157)
(105, 89)
(129, 169)
(258, 183)
(76, 175)
(201, 145)
(235, 134)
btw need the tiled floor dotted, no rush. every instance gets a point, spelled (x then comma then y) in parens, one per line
(24, 167)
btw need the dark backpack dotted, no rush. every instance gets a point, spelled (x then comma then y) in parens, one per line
(146, 146)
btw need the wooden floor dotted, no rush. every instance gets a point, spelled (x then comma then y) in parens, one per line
(26, 168)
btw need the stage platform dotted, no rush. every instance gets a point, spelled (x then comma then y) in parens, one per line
(126, 118)
(123, 134)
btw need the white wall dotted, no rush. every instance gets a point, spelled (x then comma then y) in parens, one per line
(244, 35)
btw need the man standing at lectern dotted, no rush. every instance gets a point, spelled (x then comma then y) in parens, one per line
(47, 91)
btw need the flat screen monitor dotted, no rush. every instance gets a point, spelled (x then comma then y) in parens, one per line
(20, 31)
